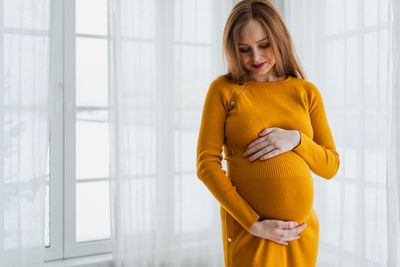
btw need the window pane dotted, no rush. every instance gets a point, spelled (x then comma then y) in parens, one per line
(349, 218)
(23, 70)
(47, 212)
(371, 12)
(383, 8)
(18, 210)
(333, 214)
(352, 71)
(142, 198)
(47, 218)
(91, 72)
(336, 88)
(351, 14)
(352, 125)
(48, 161)
(335, 16)
(92, 211)
(383, 50)
(92, 145)
(371, 94)
(374, 166)
(185, 151)
(193, 205)
(350, 163)
(91, 16)
(188, 14)
(195, 64)
(198, 21)
(26, 14)
(375, 230)
(138, 18)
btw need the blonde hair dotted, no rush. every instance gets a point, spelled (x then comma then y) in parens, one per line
(286, 60)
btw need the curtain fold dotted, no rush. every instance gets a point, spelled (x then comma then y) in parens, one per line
(346, 49)
(24, 82)
(393, 175)
(163, 55)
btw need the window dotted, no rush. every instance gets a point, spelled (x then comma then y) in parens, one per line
(78, 196)
(79, 212)
(353, 44)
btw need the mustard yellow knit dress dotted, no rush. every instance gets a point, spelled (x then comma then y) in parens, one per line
(280, 187)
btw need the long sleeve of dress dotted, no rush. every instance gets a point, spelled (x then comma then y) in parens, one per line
(208, 161)
(319, 152)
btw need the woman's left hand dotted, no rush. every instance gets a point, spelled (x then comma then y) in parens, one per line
(272, 142)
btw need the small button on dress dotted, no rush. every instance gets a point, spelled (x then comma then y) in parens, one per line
(229, 239)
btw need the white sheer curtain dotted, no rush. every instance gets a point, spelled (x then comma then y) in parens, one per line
(163, 55)
(393, 177)
(346, 50)
(24, 79)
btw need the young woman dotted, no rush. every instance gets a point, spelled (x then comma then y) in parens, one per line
(273, 128)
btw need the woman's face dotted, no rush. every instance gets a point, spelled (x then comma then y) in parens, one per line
(256, 53)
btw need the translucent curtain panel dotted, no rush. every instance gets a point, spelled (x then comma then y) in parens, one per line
(344, 47)
(24, 83)
(163, 56)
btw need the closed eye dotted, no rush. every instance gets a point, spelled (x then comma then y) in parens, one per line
(261, 46)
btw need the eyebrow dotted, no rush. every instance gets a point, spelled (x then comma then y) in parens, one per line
(266, 38)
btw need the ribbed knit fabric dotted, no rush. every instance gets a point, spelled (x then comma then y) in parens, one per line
(280, 187)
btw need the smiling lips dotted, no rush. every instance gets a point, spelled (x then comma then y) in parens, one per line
(259, 66)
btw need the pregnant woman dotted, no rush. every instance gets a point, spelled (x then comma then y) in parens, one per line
(271, 124)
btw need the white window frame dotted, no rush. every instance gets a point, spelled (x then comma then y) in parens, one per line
(62, 139)
(55, 111)
(72, 248)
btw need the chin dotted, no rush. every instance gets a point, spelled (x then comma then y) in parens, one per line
(260, 72)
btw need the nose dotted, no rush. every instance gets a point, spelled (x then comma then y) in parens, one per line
(255, 55)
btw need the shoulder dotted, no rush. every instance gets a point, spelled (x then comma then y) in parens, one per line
(308, 88)
(222, 86)
(220, 92)
(309, 93)
(223, 81)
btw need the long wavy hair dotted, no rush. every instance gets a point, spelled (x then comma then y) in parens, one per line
(263, 11)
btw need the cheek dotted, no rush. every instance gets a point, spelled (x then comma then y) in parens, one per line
(270, 55)
(244, 59)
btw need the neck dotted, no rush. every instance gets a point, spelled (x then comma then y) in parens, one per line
(269, 77)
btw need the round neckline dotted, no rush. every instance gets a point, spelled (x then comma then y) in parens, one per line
(270, 83)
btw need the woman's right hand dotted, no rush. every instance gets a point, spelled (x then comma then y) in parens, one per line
(277, 231)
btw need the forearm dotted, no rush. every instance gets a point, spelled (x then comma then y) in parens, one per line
(211, 174)
(322, 161)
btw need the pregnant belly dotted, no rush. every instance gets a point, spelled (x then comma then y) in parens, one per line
(278, 188)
